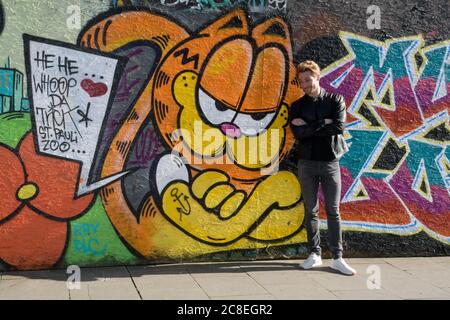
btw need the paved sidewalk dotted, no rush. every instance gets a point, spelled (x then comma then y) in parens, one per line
(401, 278)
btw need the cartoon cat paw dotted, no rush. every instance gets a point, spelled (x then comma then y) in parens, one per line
(213, 190)
(170, 168)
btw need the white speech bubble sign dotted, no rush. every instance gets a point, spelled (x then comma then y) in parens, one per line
(70, 92)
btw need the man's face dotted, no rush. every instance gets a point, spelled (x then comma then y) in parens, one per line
(309, 82)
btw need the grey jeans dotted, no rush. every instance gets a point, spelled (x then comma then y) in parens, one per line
(328, 174)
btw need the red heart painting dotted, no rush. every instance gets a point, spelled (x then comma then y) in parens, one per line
(94, 89)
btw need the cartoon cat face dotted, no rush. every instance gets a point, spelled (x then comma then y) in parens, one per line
(228, 100)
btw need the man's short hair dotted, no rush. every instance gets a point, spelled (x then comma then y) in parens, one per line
(309, 65)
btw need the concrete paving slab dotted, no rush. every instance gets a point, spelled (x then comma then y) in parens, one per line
(352, 261)
(339, 282)
(296, 277)
(401, 278)
(172, 293)
(446, 289)
(214, 270)
(440, 279)
(158, 269)
(119, 289)
(80, 294)
(414, 289)
(105, 283)
(295, 292)
(172, 283)
(387, 271)
(36, 289)
(165, 280)
(157, 285)
(220, 286)
(445, 259)
(414, 263)
(272, 268)
(380, 294)
(104, 274)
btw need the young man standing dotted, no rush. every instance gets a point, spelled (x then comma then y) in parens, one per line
(318, 121)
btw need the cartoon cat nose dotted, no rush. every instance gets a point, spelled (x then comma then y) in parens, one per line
(231, 130)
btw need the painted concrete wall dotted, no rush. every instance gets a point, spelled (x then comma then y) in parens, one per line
(157, 131)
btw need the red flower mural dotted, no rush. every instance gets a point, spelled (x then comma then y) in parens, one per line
(37, 201)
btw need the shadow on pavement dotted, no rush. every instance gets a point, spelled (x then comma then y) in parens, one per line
(99, 273)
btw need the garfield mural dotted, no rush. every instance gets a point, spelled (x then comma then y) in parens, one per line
(158, 131)
(209, 189)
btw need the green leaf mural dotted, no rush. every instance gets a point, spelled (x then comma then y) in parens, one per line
(13, 126)
(93, 241)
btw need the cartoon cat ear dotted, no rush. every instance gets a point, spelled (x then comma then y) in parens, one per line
(113, 32)
(273, 30)
(233, 23)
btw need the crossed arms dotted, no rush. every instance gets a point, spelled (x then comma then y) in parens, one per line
(321, 128)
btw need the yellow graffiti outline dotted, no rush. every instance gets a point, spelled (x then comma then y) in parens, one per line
(425, 50)
(354, 196)
(345, 36)
(423, 178)
(392, 106)
(368, 126)
(445, 164)
(421, 137)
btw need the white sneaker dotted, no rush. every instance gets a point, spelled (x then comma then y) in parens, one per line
(314, 260)
(342, 266)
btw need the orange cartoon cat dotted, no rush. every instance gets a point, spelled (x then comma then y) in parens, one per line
(220, 99)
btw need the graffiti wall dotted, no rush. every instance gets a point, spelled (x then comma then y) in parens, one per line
(157, 131)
